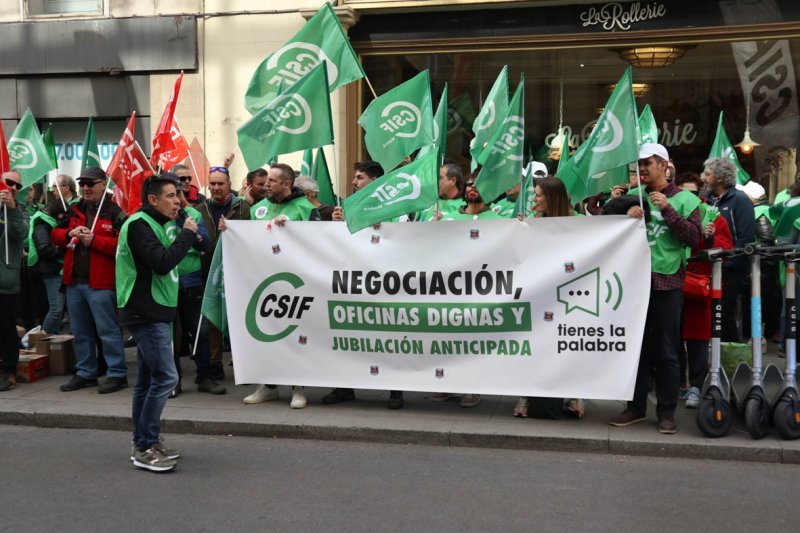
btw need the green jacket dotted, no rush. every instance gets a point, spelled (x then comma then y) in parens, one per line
(17, 235)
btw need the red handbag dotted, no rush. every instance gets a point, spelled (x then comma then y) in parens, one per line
(696, 286)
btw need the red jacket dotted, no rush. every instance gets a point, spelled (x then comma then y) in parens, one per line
(102, 250)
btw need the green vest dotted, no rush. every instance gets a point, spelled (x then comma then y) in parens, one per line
(298, 209)
(190, 263)
(666, 250)
(33, 254)
(164, 289)
(504, 207)
(445, 208)
(458, 214)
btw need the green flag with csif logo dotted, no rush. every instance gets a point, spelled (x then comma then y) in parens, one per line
(489, 117)
(502, 157)
(613, 143)
(297, 119)
(27, 153)
(722, 148)
(320, 39)
(91, 155)
(406, 190)
(399, 121)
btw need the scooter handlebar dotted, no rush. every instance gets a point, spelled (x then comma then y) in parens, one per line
(717, 254)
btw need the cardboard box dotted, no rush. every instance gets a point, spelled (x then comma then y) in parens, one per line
(42, 344)
(33, 338)
(32, 367)
(61, 353)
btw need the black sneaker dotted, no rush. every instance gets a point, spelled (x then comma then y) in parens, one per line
(113, 385)
(395, 399)
(210, 386)
(217, 373)
(129, 342)
(8, 382)
(77, 382)
(176, 391)
(339, 396)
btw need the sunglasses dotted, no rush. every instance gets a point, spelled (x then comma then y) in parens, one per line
(185, 178)
(15, 184)
(89, 183)
(224, 170)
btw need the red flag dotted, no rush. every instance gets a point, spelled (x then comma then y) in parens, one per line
(162, 140)
(200, 165)
(115, 167)
(5, 163)
(180, 151)
(139, 171)
(128, 169)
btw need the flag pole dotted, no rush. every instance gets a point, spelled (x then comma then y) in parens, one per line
(100, 205)
(197, 335)
(371, 89)
(5, 232)
(61, 196)
(336, 174)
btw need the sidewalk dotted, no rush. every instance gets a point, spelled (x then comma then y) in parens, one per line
(489, 425)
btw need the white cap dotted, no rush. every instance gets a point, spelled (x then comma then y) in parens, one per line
(752, 189)
(649, 149)
(537, 169)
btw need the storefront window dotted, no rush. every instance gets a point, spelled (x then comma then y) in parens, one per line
(685, 96)
(63, 7)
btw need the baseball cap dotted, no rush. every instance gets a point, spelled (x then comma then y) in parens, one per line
(92, 173)
(649, 149)
(538, 170)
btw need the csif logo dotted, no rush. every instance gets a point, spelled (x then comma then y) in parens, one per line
(391, 193)
(584, 292)
(399, 114)
(275, 306)
(294, 60)
(512, 138)
(287, 113)
(21, 153)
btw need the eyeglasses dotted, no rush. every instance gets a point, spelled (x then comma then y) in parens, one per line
(15, 184)
(185, 178)
(224, 170)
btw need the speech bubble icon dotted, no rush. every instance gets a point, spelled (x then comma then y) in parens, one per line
(581, 293)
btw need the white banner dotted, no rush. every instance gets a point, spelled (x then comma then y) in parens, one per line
(548, 307)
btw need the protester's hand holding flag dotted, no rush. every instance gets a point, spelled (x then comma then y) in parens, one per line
(162, 140)
(722, 148)
(406, 190)
(399, 121)
(320, 39)
(503, 155)
(490, 116)
(613, 143)
(298, 118)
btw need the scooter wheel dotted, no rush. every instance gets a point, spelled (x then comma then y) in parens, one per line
(787, 420)
(756, 417)
(714, 416)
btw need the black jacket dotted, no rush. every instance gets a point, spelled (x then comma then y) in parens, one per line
(50, 256)
(740, 214)
(150, 256)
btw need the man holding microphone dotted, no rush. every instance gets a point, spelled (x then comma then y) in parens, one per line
(148, 254)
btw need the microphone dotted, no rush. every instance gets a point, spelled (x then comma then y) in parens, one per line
(182, 216)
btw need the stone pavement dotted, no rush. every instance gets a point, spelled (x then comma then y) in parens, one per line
(367, 419)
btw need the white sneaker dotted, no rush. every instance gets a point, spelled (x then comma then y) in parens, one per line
(693, 398)
(298, 398)
(262, 394)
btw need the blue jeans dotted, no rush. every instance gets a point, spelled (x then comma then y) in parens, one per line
(156, 378)
(93, 310)
(55, 301)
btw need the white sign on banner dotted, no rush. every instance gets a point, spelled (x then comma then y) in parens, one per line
(546, 307)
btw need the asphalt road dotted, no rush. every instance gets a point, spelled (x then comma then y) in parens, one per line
(82, 480)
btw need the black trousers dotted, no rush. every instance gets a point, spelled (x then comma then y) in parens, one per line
(190, 301)
(694, 356)
(659, 357)
(735, 290)
(9, 341)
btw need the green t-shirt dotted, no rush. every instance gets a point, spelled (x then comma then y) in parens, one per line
(297, 209)
(445, 208)
(461, 214)
(504, 207)
(164, 289)
(666, 250)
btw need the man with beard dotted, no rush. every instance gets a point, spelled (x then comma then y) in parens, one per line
(474, 209)
(222, 204)
(283, 202)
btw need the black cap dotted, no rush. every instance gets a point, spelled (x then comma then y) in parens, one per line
(92, 173)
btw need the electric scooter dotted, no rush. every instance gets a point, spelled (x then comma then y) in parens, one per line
(714, 414)
(786, 410)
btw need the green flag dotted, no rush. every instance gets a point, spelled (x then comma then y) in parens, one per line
(564, 158)
(213, 306)
(307, 162)
(320, 174)
(91, 155)
(785, 213)
(27, 153)
(489, 118)
(398, 122)
(502, 158)
(722, 148)
(613, 143)
(297, 119)
(320, 39)
(647, 125)
(406, 190)
(524, 203)
(49, 140)
(439, 128)
(461, 113)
